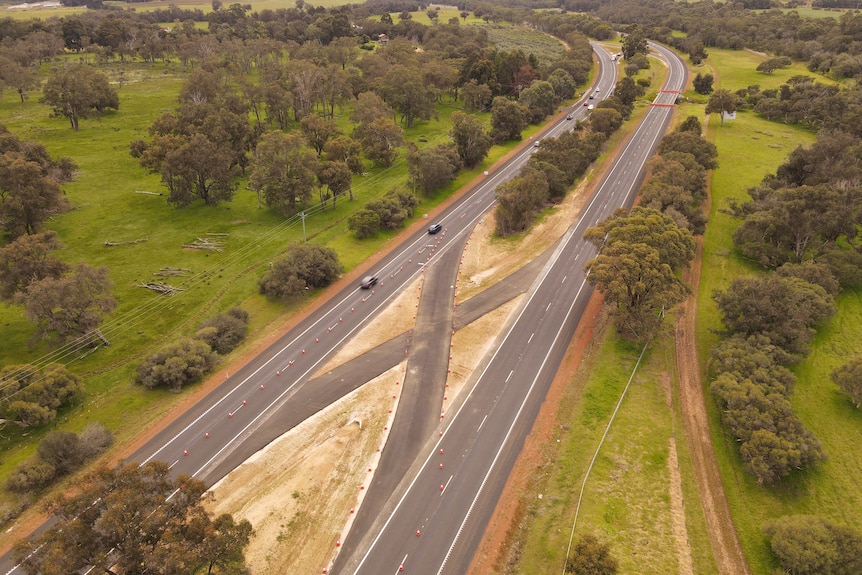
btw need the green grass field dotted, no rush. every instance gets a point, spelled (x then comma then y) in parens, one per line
(808, 12)
(736, 69)
(750, 148)
(507, 38)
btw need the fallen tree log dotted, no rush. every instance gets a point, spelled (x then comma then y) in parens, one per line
(109, 244)
(173, 272)
(160, 287)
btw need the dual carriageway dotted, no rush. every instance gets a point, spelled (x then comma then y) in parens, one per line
(416, 518)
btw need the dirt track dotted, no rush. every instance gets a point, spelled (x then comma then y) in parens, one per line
(722, 535)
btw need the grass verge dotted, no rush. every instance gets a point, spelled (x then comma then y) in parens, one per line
(626, 501)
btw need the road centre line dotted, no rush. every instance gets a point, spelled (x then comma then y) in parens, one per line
(445, 487)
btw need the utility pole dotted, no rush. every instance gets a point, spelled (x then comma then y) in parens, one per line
(302, 216)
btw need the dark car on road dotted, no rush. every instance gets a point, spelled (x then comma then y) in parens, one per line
(434, 228)
(368, 282)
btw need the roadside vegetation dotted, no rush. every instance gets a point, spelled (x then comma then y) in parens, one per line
(172, 193)
(630, 496)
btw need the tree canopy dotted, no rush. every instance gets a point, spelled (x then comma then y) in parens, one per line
(785, 309)
(69, 306)
(811, 545)
(639, 255)
(285, 169)
(135, 520)
(28, 259)
(470, 139)
(431, 169)
(508, 119)
(28, 196)
(79, 91)
(519, 201)
(848, 377)
(721, 102)
(634, 42)
(198, 170)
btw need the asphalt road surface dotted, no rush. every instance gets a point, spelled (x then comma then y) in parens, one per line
(437, 517)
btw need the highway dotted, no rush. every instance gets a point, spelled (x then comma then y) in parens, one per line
(212, 438)
(483, 437)
(438, 515)
(254, 405)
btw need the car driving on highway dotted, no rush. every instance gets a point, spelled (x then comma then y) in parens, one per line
(368, 282)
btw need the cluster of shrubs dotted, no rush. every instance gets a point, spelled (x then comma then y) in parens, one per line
(189, 359)
(30, 396)
(305, 267)
(810, 545)
(752, 386)
(389, 212)
(769, 320)
(58, 454)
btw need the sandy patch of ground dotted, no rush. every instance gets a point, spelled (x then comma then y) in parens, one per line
(488, 258)
(300, 492)
(398, 317)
